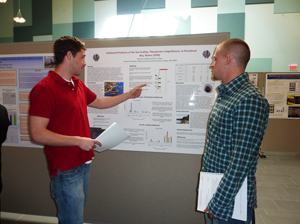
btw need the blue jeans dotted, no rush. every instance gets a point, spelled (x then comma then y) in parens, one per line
(250, 219)
(69, 190)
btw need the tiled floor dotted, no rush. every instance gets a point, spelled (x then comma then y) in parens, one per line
(278, 186)
(14, 218)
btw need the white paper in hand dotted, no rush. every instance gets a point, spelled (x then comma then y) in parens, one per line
(111, 137)
(208, 184)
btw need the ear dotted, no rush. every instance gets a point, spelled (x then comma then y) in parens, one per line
(228, 59)
(69, 55)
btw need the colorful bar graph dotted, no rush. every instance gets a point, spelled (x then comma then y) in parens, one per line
(13, 119)
(167, 139)
(133, 110)
(164, 139)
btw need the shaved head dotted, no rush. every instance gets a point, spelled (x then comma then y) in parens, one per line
(239, 49)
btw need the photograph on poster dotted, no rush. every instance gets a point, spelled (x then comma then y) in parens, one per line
(49, 62)
(183, 119)
(294, 112)
(113, 88)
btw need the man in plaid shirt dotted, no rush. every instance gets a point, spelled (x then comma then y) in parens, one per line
(236, 128)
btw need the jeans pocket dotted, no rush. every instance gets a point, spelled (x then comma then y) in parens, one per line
(71, 177)
(70, 171)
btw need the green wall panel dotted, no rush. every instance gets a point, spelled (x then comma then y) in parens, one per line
(259, 65)
(6, 18)
(231, 6)
(62, 11)
(42, 38)
(84, 29)
(23, 34)
(203, 3)
(233, 23)
(128, 7)
(83, 11)
(287, 6)
(153, 4)
(125, 7)
(42, 17)
(64, 29)
(6, 39)
(259, 1)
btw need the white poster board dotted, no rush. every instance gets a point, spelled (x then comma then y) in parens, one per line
(172, 113)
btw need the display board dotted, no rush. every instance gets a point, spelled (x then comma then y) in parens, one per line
(18, 75)
(283, 94)
(143, 175)
(171, 114)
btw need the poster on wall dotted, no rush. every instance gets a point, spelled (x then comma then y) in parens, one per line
(18, 75)
(253, 77)
(283, 94)
(171, 114)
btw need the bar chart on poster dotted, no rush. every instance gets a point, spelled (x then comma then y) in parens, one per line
(137, 108)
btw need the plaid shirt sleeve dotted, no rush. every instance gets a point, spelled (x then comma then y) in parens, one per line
(248, 123)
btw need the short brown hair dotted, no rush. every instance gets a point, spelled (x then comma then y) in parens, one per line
(239, 49)
(65, 44)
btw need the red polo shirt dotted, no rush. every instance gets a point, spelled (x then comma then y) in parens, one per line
(66, 108)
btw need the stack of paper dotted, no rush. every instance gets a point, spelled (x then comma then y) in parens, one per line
(111, 137)
(208, 184)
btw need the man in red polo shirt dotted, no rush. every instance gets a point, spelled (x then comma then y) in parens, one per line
(58, 119)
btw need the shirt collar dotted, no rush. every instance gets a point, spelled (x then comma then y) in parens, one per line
(234, 85)
(60, 80)
(70, 81)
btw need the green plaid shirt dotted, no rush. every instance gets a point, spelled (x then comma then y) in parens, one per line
(236, 128)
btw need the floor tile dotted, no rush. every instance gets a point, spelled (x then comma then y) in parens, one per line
(288, 198)
(264, 190)
(279, 171)
(296, 179)
(292, 192)
(267, 204)
(279, 220)
(284, 205)
(39, 219)
(294, 214)
(259, 220)
(267, 196)
(274, 179)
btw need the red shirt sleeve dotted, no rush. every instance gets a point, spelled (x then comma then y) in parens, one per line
(41, 102)
(91, 96)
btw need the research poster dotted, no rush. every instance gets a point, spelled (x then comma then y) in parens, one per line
(283, 94)
(172, 113)
(253, 77)
(18, 75)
